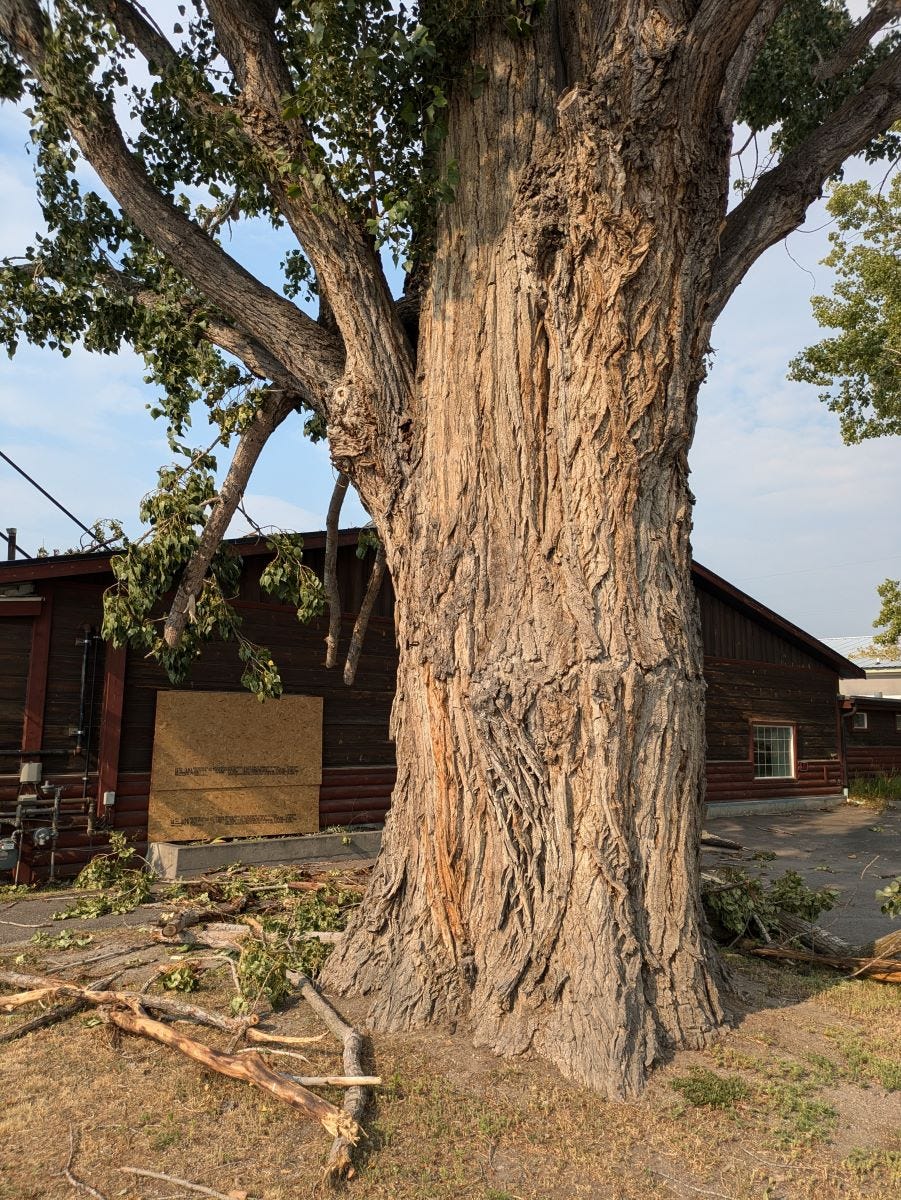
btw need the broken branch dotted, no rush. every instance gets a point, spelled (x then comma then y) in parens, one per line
(330, 573)
(248, 1068)
(362, 622)
(173, 1179)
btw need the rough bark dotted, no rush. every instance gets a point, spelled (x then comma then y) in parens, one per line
(539, 872)
(330, 573)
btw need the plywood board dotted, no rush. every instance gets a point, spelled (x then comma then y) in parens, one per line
(225, 765)
(233, 812)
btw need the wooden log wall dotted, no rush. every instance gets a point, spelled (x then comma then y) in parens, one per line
(755, 676)
(876, 750)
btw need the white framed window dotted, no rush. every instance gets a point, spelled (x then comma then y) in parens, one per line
(774, 751)
(859, 720)
(897, 722)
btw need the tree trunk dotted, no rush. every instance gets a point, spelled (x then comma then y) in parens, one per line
(539, 873)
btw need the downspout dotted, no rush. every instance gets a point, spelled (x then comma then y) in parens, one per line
(86, 719)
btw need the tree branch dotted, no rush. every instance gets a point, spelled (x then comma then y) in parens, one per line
(746, 55)
(135, 27)
(362, 622)
(379, 357)
(714, 36)
(858, 39)
(778, 202)
(275, 323)
(330, 574)
(269, 416)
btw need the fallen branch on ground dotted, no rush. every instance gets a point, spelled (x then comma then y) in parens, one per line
(61, 1012)
(249, 1068)
(884, 970)
(283, 1039)
(182, 1183)
(73, 1180)
(44, 987)
(339, 1165)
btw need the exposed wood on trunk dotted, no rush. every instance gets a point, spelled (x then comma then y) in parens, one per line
(362, 622)
(248, 1068)
(330, 575)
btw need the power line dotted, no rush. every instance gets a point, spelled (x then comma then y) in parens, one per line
(72, 517)
(861, 562)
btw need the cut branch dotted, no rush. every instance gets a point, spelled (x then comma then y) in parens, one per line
(779, 200)
(859, 38)
(330, 573)
(362, 622)
(270, 415)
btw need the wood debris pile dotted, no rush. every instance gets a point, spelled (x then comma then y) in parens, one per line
(777, 921)
(258, 926)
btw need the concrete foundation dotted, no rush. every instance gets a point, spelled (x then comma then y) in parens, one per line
(760, 808)
(170, 860)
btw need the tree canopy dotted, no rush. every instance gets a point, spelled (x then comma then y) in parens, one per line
(859, 366)
(328, 117)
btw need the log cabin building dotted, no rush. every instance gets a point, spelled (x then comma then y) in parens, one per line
(86, 711)
(871, 726)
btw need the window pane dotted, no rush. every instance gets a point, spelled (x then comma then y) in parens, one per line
(859, 720)
(773, 752)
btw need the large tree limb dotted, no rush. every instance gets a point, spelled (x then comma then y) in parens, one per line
(859, 38)
(745, 55)
(269, 416)
(380, 371)
(249, 1068)
(330, 573)
(715, 33)
(779, 200)
(287, 333)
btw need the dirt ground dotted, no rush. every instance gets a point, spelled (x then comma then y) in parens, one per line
(801, 1098)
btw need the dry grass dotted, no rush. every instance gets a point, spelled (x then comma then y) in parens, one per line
(803, 1112)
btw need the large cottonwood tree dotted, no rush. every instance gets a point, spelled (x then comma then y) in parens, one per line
(556, 175)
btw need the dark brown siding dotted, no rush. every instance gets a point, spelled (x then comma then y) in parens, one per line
(76, 606)
(729, 633)
(15, 649)
(875, 750)
(740, 694)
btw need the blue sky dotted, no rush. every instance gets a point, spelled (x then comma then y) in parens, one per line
(784, 509)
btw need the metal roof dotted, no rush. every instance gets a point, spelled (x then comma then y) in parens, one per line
(860, 649)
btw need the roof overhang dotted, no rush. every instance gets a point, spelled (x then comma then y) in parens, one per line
(714, 583)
